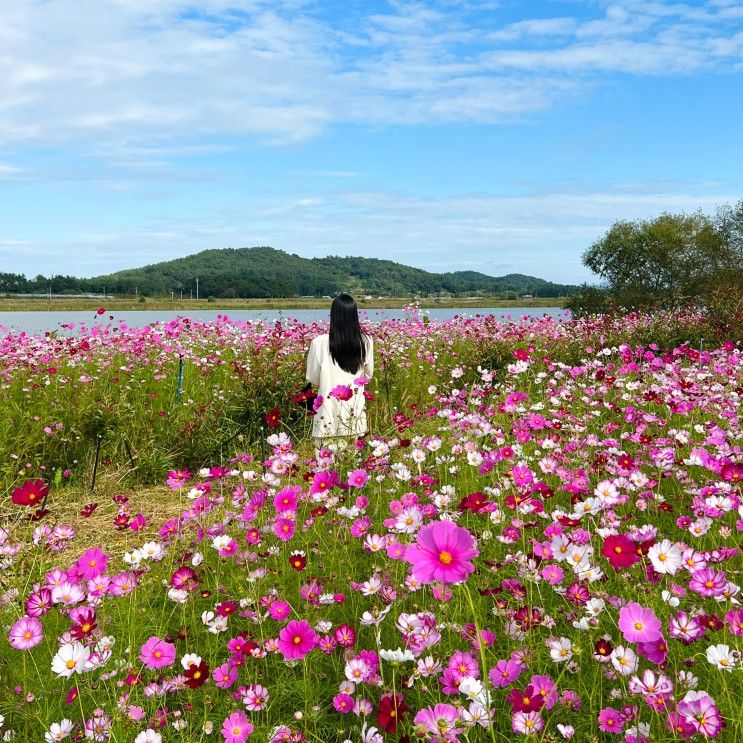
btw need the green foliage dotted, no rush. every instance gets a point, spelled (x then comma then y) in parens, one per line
(265, 273)
(590, 300)
(668, 261)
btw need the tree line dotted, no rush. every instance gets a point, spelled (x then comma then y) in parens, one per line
(666, 262)
(266, 272)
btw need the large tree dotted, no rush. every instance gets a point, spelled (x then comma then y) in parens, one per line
(670, 260)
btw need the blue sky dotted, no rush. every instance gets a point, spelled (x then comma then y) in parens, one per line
(496, 136)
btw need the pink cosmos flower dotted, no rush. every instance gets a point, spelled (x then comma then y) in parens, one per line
(26, 633)
(734, 621)
(358, 478)
(225, 675)
(699, 709)
(545, 688)
(505, 672)
(237, 728)
(708, 582)
(464, 665)
(655, 651)
(610, 721)
(297, 639)
(255, 698)
(157, 653)
(639, 624)
(522, 476)
(442, 552)
(284, 529)
(527, 723)
(286, 499)
(440, 722)
(279, 610)
(177, 478)
(552, 573)
(39, 602)
(341, 392)
(343, 703)
(323, 482)
(92, 563)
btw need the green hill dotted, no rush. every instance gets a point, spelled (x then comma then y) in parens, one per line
(266, 272)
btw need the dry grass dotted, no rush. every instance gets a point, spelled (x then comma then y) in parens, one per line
(156, 503)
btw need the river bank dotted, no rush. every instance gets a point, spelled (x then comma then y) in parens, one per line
(114, 304)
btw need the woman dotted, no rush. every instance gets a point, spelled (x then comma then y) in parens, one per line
(339, 364)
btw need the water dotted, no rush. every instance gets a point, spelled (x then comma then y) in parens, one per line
(40, 322)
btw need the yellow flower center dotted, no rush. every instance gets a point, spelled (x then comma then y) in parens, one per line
(445, 557)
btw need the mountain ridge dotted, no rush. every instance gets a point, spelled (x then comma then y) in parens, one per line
(268, 272)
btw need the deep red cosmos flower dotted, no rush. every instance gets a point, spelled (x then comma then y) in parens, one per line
(620, 551)
(473, 502)
(31, 493)
(392, 708)
(196, 676)
(88, 509)
(273, 418)
(298, 560)
(527, 700)
(85, 624)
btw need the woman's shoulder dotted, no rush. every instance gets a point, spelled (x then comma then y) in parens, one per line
(320, 340)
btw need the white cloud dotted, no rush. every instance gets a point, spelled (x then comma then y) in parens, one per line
(100, 73)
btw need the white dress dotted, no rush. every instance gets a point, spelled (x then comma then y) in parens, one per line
(336, 417)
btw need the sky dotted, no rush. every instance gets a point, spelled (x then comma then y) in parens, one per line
(497, 136)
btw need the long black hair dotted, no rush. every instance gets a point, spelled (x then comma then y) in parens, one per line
(347, 347)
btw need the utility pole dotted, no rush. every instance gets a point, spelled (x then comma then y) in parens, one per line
(197, 287)
(171, 295)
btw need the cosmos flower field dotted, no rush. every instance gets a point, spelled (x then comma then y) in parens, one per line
(539, 537)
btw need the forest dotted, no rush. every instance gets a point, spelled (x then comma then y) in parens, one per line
(267, 272)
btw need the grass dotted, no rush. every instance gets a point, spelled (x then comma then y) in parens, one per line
(112, 305)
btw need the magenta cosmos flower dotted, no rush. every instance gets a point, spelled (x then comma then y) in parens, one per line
(157, 653)
(296, 640)
(442, 552)
(358, 478)
(92, 563)
(639, 624)
(236, 728)
(26, 633)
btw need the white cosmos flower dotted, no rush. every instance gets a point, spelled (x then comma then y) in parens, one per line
(669, 598)
(396, 656)
(474, 690)
(476, 714)
(624, 660)
(721, 656)
(58, 731)
(561, 650)
(179, 595)
(190, 659)
(70, 658)
(567, 731)
(665, 557)
(153, 550)
(149, 736)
